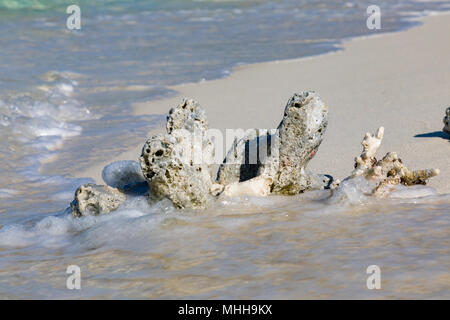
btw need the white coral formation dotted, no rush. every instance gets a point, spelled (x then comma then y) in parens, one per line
(447, 121)
(177, 165)
(370, 144)
(387, 172)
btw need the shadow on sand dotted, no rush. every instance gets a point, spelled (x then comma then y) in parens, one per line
(435, 134)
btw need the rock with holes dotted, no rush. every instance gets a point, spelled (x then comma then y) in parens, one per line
(447, 121)
(188, 115)
(177, 165)
(92, 200)
(284, 154)
(300, 134)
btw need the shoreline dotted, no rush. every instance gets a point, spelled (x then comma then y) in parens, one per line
(377, 80)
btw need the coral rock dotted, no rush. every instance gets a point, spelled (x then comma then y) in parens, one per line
(189, 115)
(177, 165)
(301, 132)
(289, 149)
(91, 199)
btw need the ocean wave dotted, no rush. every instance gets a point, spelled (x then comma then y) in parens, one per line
(47, 113)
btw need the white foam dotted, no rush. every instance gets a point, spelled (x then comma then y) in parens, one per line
(37, 123)
(47, 142)
(7, 193)
(411, 192)
(64, 230)
(353, 191)
(45, 127)
(31, 118)
(65, 89)
(62, 196)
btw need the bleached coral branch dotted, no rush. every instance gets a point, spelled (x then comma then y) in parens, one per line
(371, 144)
(387, 172)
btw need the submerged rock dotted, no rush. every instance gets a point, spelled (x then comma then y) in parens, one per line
(289, 149)
(388, 172)
(92, 199)
(178, 165)
(447, 121)
(122, 174)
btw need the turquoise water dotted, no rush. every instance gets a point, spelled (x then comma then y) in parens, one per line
(65, 101)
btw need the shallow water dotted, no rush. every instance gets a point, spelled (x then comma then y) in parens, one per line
(65, 101)
(308, 246)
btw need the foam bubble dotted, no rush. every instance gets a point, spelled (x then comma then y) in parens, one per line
(353, 191)
(65, 89)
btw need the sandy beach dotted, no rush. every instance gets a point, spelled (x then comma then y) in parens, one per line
(400, 81)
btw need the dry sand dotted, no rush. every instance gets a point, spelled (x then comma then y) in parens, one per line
(400, 81)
